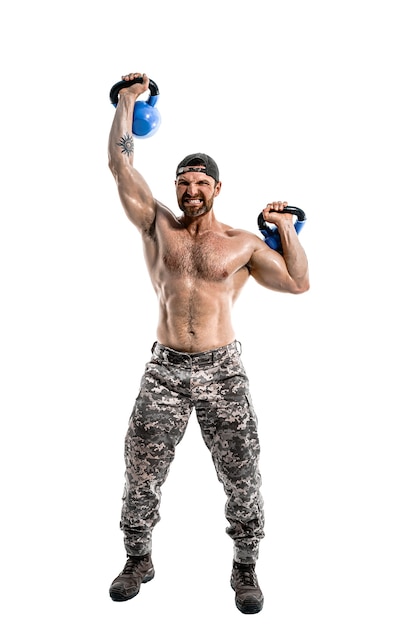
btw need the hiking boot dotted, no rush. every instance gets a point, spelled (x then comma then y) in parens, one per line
(249, 597)
(138, 570)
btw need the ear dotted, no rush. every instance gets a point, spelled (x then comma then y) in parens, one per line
(217, 188)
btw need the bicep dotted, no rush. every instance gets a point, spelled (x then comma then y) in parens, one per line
(136, 197)
(269, 269)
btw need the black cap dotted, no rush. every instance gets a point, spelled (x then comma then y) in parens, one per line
(199, 162)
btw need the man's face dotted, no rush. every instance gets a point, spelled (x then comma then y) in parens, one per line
(196, 192)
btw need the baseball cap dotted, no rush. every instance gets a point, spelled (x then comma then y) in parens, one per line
(206, 165)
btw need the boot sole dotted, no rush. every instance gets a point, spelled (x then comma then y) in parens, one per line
(250, 607)
(119, 597)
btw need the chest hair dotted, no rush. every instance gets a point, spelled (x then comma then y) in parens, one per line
(205, 257)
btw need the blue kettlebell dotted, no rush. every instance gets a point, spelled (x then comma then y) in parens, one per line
(146, 117)
(271, 234)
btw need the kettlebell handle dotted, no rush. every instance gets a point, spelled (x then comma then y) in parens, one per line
(299, 213)
(114, 91)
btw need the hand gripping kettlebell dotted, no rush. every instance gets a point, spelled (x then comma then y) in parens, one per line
(146, 117)
(271, 234)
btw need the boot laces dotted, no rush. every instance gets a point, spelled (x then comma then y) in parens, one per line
(246, 575)
(131, 565)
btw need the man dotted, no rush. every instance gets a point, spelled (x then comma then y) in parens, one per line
(198, 267)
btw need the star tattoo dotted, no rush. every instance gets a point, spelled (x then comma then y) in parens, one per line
(127, 145)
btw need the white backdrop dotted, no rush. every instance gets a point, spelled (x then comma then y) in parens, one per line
(311, 102)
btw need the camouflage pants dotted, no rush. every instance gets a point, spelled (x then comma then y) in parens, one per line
(215, 384)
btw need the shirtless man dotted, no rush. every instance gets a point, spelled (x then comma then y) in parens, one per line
(198, 267)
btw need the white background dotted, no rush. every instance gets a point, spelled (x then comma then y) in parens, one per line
(309, 102)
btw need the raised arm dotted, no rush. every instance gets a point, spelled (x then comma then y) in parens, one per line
(135, 195)
(287, 272)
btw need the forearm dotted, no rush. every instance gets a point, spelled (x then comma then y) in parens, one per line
(121, 145)
(294, 256)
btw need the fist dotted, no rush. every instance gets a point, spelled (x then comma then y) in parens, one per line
(137, 88)
(273, 212)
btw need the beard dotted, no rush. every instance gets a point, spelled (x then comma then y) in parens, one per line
(198, 210)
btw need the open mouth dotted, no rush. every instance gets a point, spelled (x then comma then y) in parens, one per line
(193, 200)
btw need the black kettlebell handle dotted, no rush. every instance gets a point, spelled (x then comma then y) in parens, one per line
(114, 91)
(299, 213)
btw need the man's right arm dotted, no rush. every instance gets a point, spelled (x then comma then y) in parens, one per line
(135, 194)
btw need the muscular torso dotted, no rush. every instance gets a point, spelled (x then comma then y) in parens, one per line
(197, 277)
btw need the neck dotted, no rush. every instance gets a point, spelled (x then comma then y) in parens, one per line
(200, 224)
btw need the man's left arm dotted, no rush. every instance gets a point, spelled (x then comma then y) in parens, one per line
(287, 272)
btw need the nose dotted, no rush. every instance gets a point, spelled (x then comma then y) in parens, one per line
(192, 189)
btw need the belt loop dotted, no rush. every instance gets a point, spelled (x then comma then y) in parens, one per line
(154, 346)
(239, 347)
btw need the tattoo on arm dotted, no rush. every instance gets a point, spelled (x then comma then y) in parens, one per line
(126, 143)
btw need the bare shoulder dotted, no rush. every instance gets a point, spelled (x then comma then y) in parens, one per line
(245, 237)
(163, 211)
(165, 217)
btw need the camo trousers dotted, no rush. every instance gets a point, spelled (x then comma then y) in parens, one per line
(215, 384)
